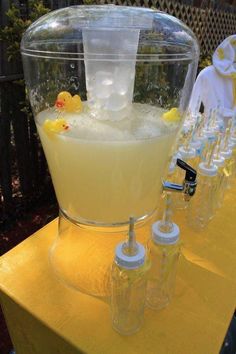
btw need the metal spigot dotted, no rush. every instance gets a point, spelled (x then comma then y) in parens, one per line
(189, 184)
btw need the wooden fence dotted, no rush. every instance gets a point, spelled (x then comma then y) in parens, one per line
(210, 26)
(23, 171)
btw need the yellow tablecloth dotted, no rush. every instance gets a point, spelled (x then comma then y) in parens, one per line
(45, 317)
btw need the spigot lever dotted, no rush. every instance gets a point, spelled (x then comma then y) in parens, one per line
(191, 174)
(189, 184)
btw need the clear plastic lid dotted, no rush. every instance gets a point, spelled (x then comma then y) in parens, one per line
(59, 34)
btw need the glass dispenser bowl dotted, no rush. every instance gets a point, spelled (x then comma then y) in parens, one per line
(109, 87)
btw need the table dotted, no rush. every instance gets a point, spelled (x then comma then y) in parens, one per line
(46, 317)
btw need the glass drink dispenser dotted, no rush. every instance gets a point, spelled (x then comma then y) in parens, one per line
(109, 87)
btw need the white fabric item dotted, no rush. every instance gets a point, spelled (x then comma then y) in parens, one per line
(214, 91)
(224, 57)
(214, 84)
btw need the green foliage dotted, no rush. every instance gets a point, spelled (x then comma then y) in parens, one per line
(205, 60)
(36, 10)
(12, 33)
(89, 2)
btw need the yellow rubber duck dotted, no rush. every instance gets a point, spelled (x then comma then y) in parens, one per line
(68, 103)
(55, 126)
(172, 116)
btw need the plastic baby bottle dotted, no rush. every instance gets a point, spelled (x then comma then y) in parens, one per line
(128, 285)
(227, 153)
(228, 169)
(198, 146)
(164, 252)
(219, 161)
(210, 129)
(210, 134)
(202, 205)
(232, 145)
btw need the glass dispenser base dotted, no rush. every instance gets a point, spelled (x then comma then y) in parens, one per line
(82, 255)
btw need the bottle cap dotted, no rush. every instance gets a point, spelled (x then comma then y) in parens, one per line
(218, 161)
(201, 138)
(194, 116)
(187, 153)
(216, 128)
(210, 133)
(196, 144)
(164, 238)
(177, 156)
(226, 154)
(205, 170)
(186, 127)
(172, 167)
(130, 262)
(221, 125)
(232, 144)
(233, 139)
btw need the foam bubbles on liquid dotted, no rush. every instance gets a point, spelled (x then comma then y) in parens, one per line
(143, 122)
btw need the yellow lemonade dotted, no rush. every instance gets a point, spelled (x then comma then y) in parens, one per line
(104, 172)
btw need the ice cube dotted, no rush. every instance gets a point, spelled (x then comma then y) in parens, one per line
(123, 80)
(103, 84)
(116, 102)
